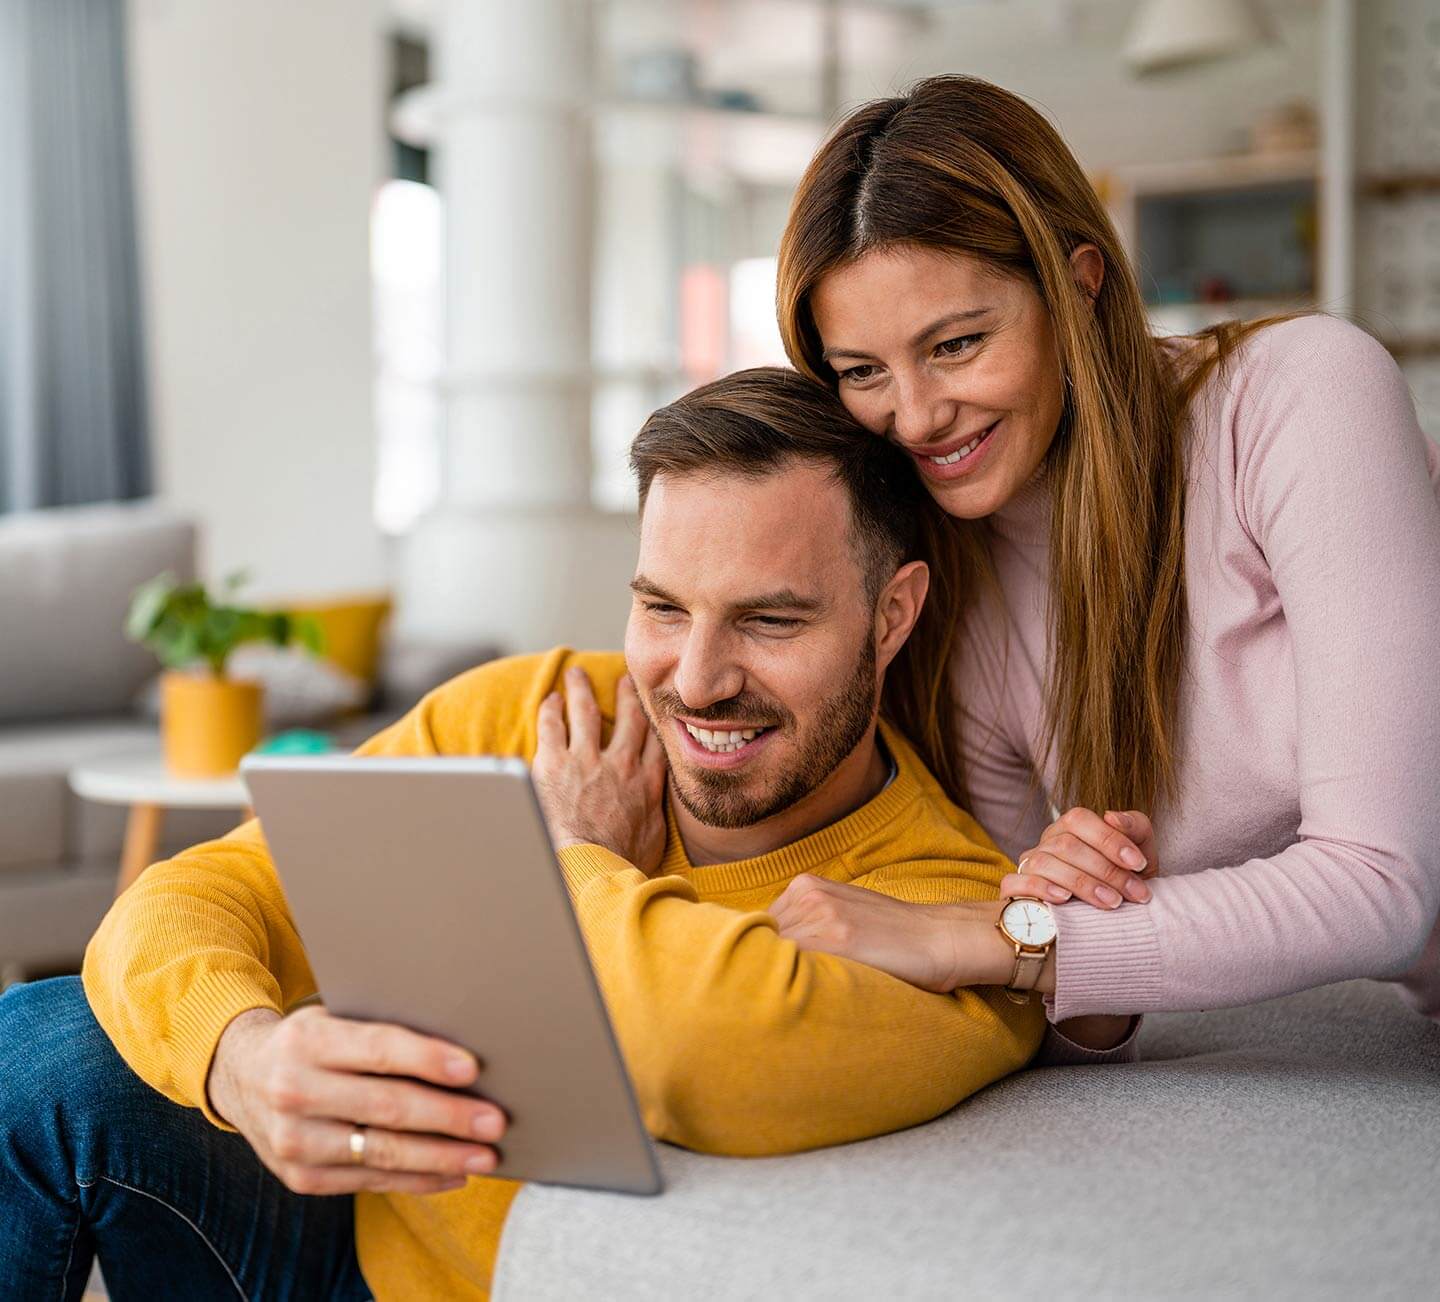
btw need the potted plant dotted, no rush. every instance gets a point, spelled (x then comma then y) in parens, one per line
(208, 721)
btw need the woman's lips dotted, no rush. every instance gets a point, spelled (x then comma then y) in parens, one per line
(700, 754)
(955, 469)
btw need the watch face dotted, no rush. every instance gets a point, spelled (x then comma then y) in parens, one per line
(1029, 922)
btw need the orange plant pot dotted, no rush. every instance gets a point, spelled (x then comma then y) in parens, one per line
(208, 724)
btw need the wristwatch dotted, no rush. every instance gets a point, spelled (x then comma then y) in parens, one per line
(1029, 925)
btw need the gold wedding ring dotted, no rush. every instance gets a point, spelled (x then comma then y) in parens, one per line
(357, 1146)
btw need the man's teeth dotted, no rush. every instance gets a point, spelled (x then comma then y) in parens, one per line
(960, 453)
(722, 742)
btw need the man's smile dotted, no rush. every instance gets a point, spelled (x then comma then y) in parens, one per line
(721, 747)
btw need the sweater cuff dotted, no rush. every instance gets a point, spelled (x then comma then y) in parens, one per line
(1106, 961)
(199, 1020)
(1058, 1050)
(584, 863)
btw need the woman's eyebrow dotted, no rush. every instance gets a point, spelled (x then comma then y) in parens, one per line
(934, 328)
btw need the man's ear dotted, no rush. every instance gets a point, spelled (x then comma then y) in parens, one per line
(899, 606)
(1087, 265)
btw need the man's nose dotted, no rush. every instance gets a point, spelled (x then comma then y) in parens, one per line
(706, 672)
(923, 412)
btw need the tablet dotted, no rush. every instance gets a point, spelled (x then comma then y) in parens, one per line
(427, 894)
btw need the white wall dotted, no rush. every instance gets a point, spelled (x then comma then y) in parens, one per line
(1065, 55)
(258, 146)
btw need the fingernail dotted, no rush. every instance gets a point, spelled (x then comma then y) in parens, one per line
(1132, 858)
(1137, 890)
(1122, 819)
(480, 1164)
(459, 1067)
(1108, 897)
(1057, 894)
(485, 1124)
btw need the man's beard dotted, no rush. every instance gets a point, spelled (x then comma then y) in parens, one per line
(717, 797)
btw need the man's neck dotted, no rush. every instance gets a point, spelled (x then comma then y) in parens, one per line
(858, 778)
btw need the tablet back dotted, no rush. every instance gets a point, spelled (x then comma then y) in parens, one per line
(427, 894)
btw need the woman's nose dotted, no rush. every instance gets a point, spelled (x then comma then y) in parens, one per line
(922, 413)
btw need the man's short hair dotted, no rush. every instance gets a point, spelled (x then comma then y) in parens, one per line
(763, 420)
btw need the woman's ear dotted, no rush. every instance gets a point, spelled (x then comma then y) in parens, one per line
(899, 607)
(1087, 265)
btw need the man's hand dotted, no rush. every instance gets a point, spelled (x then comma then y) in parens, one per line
(611, 797)
(296, 1087)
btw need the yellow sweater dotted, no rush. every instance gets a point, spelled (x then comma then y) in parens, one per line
(737, 1041)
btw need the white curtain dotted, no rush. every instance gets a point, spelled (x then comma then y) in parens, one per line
(72, 396)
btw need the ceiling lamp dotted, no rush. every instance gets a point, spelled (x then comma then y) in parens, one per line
(1174, 33)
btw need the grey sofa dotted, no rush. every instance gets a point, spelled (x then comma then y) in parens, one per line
(68, 684)
(68, 679)
(1287, 1150)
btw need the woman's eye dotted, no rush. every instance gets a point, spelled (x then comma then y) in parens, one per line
(856, 374)
(954, 347)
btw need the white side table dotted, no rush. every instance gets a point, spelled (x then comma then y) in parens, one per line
(142, 781)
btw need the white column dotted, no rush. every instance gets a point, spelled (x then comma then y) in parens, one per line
(515, 551)
(1338, 73)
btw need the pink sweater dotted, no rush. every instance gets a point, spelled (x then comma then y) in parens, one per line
(1305, 845)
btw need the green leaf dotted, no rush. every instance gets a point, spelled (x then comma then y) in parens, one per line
(309, 634)
(147, 605)
(183, 626)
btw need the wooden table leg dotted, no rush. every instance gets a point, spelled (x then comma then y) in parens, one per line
(142, 837)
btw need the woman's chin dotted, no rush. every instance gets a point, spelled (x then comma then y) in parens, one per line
(972, 499)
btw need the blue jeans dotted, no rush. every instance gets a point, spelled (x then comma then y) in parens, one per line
(92, 1160)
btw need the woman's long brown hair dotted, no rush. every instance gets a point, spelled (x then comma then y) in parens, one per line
(960, 165)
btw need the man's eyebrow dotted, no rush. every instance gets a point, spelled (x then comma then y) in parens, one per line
(649, 588)
(779, 599)
(934, 328)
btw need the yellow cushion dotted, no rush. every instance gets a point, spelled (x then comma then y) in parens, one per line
(352, 628)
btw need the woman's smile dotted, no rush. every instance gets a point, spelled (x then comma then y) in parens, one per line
(961, 456)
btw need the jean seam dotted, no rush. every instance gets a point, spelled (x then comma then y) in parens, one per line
(230, 1274)
(69, 1255)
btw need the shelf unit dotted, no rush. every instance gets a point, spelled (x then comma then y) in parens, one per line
(1220, 238)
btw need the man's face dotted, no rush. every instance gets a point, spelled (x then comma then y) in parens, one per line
(751, 639)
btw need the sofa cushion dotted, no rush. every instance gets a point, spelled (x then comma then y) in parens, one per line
(43, 821)
(35, 800)
(47, 917)
(66, 576)
(1287, 1150)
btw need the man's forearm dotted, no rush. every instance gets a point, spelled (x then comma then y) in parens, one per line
(221, 1084)
(742, 1044)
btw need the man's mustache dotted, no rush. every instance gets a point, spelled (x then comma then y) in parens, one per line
(745, 708)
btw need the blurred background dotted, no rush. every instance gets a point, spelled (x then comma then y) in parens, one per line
(376, 292)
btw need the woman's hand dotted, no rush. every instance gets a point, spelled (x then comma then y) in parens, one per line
(1100, 860)
(937, 947)
(612, 797)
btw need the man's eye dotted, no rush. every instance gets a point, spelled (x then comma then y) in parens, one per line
(856, 374)
(661, 608)
(775, 623)
(954, 347)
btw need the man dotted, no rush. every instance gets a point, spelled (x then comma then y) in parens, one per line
(776, 585)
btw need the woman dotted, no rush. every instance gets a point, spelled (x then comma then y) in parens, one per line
(1196, 597)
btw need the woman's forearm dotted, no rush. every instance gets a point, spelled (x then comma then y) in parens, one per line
(985, 957)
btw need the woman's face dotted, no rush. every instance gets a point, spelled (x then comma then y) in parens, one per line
(951, 361)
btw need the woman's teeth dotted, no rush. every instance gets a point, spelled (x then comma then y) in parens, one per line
(721, 742)
(960, 453)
